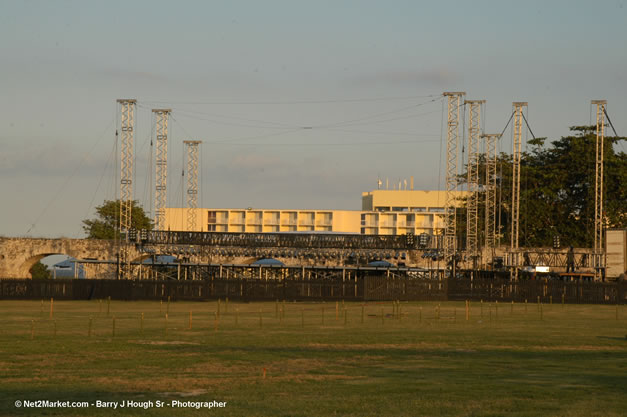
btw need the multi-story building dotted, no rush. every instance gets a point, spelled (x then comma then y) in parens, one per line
(385, 212)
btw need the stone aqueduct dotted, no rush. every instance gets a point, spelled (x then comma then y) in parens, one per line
(18, 255)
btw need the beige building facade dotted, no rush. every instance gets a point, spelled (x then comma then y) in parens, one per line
(385, 212)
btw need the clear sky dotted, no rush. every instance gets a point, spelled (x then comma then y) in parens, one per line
(300, 104)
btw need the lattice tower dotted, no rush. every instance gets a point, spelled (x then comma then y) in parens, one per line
(472, 202)
(452, 140)
(127, 127)
(598, 185)
(490, 189)
(192, 182)
(161, 166)
(516, 155)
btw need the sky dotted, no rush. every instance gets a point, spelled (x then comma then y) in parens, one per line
(299, 104)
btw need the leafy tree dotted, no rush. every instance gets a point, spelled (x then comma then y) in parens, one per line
(105, 226)
(557, 190)
(40, 271)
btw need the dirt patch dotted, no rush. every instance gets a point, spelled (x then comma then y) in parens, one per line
(192, 393)
(162, 342)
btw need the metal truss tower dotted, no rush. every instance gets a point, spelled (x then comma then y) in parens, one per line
(516, 155)
(161, 166)
(490, 189)
(452, 140)
(127, 126)
(192, 182)
(472, 203)
(598, 186)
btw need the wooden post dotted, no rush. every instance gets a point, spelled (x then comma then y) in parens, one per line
(51, 307)
(562, 299)
(550, 299)
(90, 326)
(525, 305)
(512, 309)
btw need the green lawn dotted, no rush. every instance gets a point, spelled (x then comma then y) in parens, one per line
(565, 361)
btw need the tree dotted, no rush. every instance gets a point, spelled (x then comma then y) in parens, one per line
(40, 271)
(105, 226)
(557, 190)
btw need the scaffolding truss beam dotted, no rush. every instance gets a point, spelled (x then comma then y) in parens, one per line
(192, 182)
(452, 141)
(490, 190)
(161, 166)
(598, 185)
(127, 127)
(472, 170)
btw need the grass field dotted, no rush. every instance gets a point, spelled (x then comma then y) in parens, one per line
(416, 359)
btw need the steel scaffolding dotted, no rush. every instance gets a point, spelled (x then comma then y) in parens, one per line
(472, 202)
(127, 125)
(452, 140)
(161, 166)
(192, 182)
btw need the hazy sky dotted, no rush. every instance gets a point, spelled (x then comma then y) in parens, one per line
(300, 104)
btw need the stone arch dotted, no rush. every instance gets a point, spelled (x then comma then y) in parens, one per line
(25, 267)
(20, 254)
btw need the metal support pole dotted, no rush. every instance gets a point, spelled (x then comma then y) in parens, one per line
(472, 202)
(452, 140)
(192, 182)
(127, 125)
(490, 190)
(516, 156)
(161, 166)
(598, 189)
